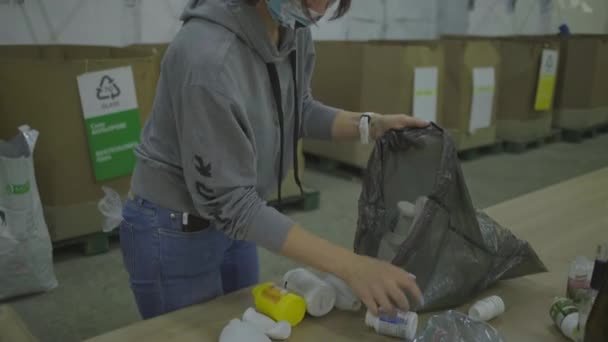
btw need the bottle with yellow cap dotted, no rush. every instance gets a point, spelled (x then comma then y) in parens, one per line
(279, 304)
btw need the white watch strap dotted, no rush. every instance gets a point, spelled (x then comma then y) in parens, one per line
(364, 123)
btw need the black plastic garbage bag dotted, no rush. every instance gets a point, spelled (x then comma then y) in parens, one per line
(415, 211)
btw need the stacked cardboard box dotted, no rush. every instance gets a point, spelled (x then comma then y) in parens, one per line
(582, 98)
(465, 56)
(521, 61)
(381, 77)
(338, 81)
(39, 88)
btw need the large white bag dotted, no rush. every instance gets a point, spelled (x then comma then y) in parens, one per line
(26, 259)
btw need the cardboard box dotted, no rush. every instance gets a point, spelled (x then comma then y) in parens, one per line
(380, 77)
(521, 57)
(337, 82)
(373, 76)
(39, 88)
(338, 74)
(12, 328)
(581, 99)
(463, 56)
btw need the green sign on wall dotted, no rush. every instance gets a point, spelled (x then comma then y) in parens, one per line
(111, 114)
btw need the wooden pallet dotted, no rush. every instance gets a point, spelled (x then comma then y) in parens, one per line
(477, 152)
(579, 135)
(523, 146)
(311, 200)
(93, 244)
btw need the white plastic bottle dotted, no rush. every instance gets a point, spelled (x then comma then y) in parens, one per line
(275, 330)
(487, 309)
(566, 316)
(405, 325)
(238, 331)
(345, 297)
(320, 297)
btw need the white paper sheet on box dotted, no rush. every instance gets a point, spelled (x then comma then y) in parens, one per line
(425, 93)
(483, 98)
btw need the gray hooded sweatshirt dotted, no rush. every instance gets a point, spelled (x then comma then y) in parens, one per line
(211, 145)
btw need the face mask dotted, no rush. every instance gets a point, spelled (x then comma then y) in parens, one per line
(289, 12)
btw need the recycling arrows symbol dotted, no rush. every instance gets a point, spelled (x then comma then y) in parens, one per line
(107, 89)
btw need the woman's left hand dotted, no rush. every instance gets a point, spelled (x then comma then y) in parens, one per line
(380, 124)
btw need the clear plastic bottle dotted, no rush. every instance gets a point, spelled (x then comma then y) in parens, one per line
(579, 278)
(600, 271)
(320, 296)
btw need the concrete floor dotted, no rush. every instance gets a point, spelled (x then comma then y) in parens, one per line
(93, 296)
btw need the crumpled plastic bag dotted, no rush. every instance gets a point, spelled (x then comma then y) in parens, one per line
(452, 326)
(110, 207)
(26, 258)
(415, 211)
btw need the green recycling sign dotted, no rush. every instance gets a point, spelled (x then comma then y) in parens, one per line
(112, 123)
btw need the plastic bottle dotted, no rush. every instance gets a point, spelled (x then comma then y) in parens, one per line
(278, 304)
(600, 270)
(238, 331)
(596, 328)
(579, 277)
(487, 309)
(392, 240)
(275, 330)
(566, 316)
(320, 296)
(403, 326)
(345, 298)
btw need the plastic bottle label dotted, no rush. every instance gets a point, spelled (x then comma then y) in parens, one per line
(273, 294)
(560, 309)
(392, 320)
(395, 330)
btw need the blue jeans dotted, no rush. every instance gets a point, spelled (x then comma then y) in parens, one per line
(170, 269)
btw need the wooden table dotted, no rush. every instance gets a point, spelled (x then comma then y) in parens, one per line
(560, 222)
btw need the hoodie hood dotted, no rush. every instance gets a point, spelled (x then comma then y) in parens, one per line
(245, 22)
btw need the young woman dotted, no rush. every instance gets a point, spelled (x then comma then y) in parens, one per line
(233, 98)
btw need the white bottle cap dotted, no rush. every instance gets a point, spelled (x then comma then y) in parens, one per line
(487, 309)
(570, 326)
(370, 319)
(412, 325)
(407, 209)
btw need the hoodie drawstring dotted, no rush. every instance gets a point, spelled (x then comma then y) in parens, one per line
(276, 90)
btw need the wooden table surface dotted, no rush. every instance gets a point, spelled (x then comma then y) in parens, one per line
(561, 222)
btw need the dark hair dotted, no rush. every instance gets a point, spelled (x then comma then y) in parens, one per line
(343, 7)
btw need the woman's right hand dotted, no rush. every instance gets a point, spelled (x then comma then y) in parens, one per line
(382, 287)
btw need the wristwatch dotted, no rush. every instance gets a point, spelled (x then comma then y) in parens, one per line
(364, 127)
